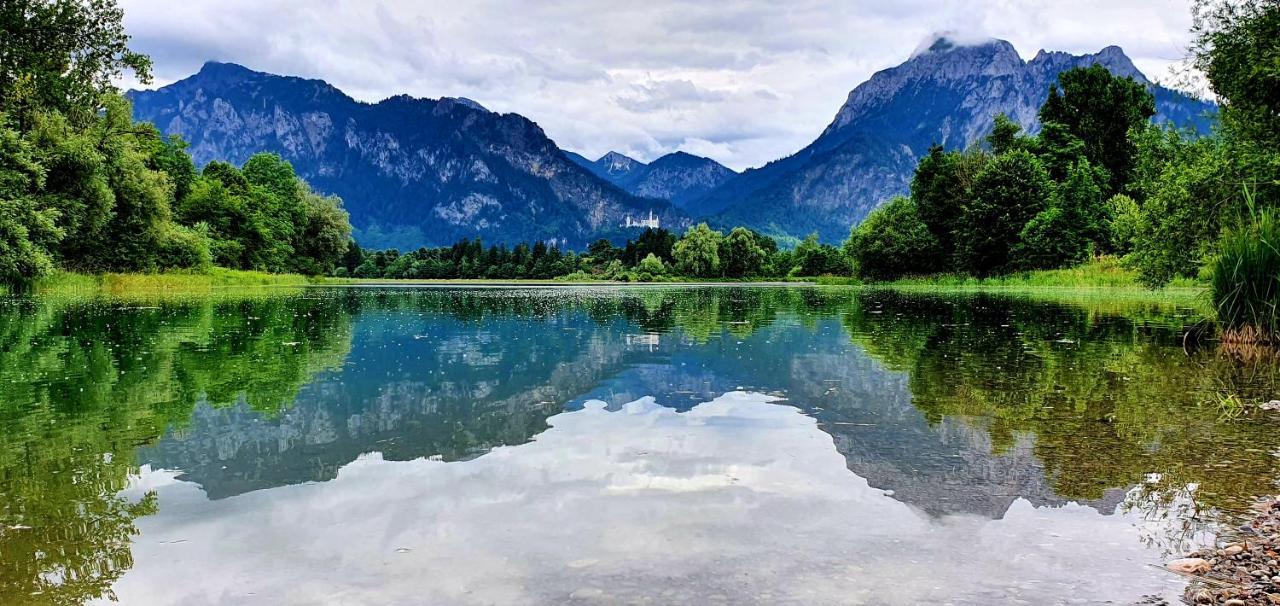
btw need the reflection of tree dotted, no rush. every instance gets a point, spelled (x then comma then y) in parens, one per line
(82, 385)
(1108, 398)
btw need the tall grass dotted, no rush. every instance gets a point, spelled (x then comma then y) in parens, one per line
(164, 284)
(1244, 283)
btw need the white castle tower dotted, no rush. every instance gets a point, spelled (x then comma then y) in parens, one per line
(651, 222)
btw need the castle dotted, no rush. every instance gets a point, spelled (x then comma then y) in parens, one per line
(651, 222)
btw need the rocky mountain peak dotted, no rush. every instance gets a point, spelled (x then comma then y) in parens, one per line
(615, 163)
(1112, 57)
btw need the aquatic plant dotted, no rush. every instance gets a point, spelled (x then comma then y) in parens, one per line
(1244, 284)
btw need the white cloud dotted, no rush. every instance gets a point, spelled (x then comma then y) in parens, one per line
(752, 80)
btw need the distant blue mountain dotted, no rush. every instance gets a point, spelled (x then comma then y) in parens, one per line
(679, 177)
(412, 172)
(417, 172)
(946, 93)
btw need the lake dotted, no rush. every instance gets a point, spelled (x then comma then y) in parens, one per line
(738, 445)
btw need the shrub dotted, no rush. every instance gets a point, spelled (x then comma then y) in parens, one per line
(1245, 280)
(1124, 222)
(893, 242)
(651, 265)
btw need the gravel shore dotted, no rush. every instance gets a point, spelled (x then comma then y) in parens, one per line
(1243, 572)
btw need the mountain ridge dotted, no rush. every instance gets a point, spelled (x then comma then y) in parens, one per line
(946, 93)
(679, 177)
(411, 171)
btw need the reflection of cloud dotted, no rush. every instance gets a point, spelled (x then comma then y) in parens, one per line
(737, 497)
(566, 63)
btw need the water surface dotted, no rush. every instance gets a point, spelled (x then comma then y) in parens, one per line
(615, 445)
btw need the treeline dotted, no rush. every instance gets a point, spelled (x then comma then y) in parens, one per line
(1099, 178)
(1025, 202)
(83, 187)
(654, 255)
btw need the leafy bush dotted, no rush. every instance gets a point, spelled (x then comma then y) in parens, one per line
(1011, 190)
(1124, 222)
(651, 265)
(893, 242)
(1048, 241)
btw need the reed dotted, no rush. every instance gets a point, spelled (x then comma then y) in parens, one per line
(1244, 279)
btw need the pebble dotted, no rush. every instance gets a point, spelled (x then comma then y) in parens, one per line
(1189, 565)
(1243, 573)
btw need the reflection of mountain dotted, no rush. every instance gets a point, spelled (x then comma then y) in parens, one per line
(735, 501)
(945, 468)
(447, 388)
(956, 408)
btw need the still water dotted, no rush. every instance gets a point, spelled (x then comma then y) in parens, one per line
(615, 445)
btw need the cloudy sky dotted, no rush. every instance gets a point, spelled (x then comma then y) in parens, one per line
(742, 81)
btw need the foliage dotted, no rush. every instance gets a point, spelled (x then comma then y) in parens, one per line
(1245, 278)
(659, 242)
(1099, 109)
(1011, 190)
(813, 258)
(741, 254)
(1124, 222)
(697, 254)
(1063, 234)
(652, 265)
(1237, 46)
(1184, 212)
(943, 182)
(893, 242)
(62, 56)
(1004, 135)
(83, 187)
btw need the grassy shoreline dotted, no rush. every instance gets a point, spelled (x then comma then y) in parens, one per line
(73, 284)
(1100, 281)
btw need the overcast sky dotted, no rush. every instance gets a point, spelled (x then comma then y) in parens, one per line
(741, 81)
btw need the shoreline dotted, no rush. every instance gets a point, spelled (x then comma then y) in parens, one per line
(1244, 570)
(1089, 292)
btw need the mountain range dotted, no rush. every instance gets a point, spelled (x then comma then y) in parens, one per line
(411, 172)
(416, 172)
(680, 177)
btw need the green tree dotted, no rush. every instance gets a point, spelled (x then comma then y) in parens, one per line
(26, 231)
(941, 188)
(1004, 135)
(1100, 109)
(813, 258)
(1050, 240)
(63, 55)
(1124, 222)
(1009, 191)
(324, 235)
(893, 242)
(652, 265)
(1237, 46)
(697, 254)
(741, 254)
(1185, 211)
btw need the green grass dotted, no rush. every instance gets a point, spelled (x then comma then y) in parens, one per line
(1099, 281)
(1245, 280)
(150, 285)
